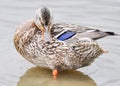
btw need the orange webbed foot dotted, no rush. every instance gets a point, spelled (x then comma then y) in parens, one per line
(55, 73)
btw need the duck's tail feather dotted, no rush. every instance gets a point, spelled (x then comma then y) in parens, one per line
(112, 33)
(100, 34)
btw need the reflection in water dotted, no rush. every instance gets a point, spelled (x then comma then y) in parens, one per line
(42, 77)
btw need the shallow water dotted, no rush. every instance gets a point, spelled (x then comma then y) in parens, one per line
(38, 77)
(104, 14)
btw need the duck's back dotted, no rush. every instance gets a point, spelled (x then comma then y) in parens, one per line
(81, 31)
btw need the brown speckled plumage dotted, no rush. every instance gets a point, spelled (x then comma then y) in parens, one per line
(56, 55)
(73, 53)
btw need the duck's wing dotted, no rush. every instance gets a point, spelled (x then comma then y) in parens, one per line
(80, 31)
(23, 35)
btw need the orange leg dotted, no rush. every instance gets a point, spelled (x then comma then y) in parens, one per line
(55, 73)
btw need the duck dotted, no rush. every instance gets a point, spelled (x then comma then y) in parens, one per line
(58, 46)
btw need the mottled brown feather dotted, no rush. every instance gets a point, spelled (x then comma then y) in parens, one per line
(23, 35)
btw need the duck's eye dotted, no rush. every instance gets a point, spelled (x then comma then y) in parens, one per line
(41, 21)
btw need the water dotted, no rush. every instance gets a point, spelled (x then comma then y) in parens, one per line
(103, 14)
(42, 77)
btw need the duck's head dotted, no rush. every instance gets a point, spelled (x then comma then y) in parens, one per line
(43, 21)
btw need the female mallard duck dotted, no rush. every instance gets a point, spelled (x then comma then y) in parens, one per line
(57, 46)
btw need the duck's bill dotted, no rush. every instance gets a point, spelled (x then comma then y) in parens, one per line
(47, 35)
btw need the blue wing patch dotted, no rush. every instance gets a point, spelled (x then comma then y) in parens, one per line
(66, 35)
